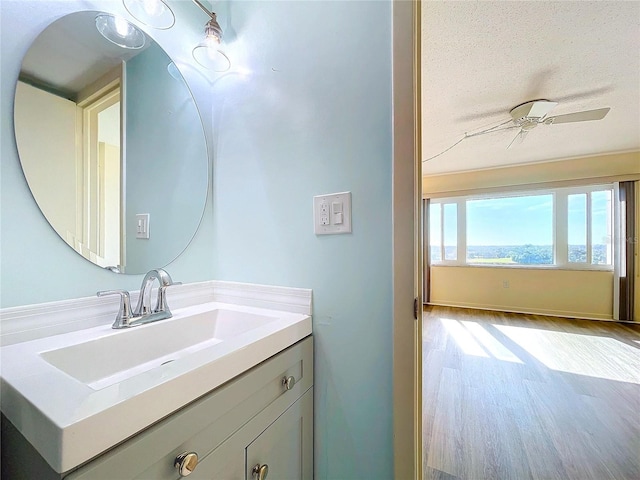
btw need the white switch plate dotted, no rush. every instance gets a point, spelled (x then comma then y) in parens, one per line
(142, 225)
(327, 219)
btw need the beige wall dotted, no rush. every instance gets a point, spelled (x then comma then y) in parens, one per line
(605, 168)
(573, 293)
(570, 293)
(46, 129)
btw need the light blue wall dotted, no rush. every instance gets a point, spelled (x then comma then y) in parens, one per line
(312, 115)
(166, 161)
(306, 110)
(35, 264)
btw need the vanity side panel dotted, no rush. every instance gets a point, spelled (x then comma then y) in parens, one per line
(19, 460)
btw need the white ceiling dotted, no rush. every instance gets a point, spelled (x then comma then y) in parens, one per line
(71, 54)
(482, 58)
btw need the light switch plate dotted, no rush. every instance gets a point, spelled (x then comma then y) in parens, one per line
(142, 225)
(329, 218)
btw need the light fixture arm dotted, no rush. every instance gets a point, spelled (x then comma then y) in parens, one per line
(205, 9)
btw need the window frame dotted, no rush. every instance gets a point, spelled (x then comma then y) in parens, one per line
(443, 260)
(563, 230)
(560, 227)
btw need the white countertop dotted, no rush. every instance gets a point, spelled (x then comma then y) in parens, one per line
(69, 421)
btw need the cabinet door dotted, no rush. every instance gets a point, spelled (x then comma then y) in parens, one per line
(225, 463)
(286, 446)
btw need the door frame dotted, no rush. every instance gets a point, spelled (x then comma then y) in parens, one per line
(92, 170)
(407, 241)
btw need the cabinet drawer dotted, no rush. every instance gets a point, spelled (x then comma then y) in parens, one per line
(207, 422)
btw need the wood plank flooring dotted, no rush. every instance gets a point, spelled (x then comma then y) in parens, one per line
(513, 396)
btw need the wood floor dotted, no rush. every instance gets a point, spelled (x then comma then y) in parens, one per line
(510, 396)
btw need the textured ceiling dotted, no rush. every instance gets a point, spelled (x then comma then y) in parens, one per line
(480, 59)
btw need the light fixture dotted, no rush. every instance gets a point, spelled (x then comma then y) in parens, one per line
(206, 53)
(119, 31)
(153, 13)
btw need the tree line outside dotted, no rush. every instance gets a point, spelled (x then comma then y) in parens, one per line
(523, 254)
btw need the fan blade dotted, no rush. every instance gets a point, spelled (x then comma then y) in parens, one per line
(541, 108)
(585, 116)
(519, 137)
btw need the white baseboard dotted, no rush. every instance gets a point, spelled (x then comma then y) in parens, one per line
(549, 313)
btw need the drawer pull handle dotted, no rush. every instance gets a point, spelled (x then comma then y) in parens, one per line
(260, 472)
(186, 463)
(288, 382)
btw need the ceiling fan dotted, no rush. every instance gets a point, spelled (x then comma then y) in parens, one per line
(529, 115)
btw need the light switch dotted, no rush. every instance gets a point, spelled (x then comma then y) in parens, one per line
(142, 225)
(332, 213)
(336, 213)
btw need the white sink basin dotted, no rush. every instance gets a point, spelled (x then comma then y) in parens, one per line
(110, 359)
(60, 390)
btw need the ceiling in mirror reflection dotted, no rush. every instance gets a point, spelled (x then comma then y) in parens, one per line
(71, 54)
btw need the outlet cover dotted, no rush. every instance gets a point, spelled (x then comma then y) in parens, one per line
(332, 213)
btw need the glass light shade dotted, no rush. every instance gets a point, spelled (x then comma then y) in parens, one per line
(213, 31)
(120, 32)
(153, 13)
(209, 57)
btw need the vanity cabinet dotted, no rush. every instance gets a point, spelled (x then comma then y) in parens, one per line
(262, 417)
(284, 448)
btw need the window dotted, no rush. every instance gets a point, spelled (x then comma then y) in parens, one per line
(435, 232)
(450, 231)
(577, 227)
(569, 227)
(601, 251)
(443, 228)
(510, 230)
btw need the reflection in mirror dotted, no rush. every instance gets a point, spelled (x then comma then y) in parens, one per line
(105, 135)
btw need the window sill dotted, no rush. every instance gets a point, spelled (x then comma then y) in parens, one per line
(586, 268)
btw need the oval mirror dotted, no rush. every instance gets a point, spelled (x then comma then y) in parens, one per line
(111, 144)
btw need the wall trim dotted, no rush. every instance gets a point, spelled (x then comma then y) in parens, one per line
(289, 299)
(30, 322)
(548, 313)
(526, 187)
(529, 164)
(605, 168)
(406, 208)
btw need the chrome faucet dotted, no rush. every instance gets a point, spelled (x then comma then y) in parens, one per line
(143, 312)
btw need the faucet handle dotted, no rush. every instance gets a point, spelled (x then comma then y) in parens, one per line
(124, 313)
(161, 304)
